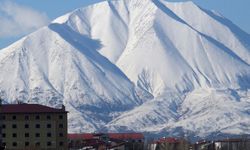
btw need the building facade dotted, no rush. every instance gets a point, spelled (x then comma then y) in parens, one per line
(33, 126)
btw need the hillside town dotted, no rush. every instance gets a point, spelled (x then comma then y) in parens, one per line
(33, 126)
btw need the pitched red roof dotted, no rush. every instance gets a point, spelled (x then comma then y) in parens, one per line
(126, 136)
(28, 108)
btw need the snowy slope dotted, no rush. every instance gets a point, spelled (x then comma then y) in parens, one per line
(216, 26)
(136, 65)
(181, 49)
(202, 113)
(52, 67)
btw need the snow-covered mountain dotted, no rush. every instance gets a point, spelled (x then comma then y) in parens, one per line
(136, 65)
(56, 65)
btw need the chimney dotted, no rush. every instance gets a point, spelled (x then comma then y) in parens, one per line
(63, 107)
(1, 101)
(19, 102)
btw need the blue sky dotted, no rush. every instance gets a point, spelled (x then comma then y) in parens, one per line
(44, 11)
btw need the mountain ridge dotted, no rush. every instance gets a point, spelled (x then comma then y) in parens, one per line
(136, 65)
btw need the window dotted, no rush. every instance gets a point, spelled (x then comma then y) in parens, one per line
(26, 117)
(3, 135)
(4, 144)
(60, 125)
(48, 125)
(61, 143)
(37, 125)
(37, 143)
(26, 126)
(48, 134)
(37, 134)
(48, 117)
(14, 135)
(60, 116)
(49, 144)
(27, 135)
(14, 144)
(14, 126)
(37, 117)
(14, 117)
(3, 126)
(61, 134)
(27, 143)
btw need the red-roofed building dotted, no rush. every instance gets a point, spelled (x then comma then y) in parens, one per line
(29, 108)
(107, 140)
(85, 136)
(126, 136)
(169, 143)
(33, 126)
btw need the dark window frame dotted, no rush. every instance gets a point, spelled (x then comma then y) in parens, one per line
(60, 125)
(37, 117)
(60, 134)
(14, 126)
(37, 143)
(14, 144)
(14, 135)
(61, 143)
(49, 134)
(26, 135)
(49, 143)
(48, 125)
(48, 117)
(3, 126)
(14, 117)
(38, 126)
(37, 135)
(26, 126)
(26, 117)
(60, 116)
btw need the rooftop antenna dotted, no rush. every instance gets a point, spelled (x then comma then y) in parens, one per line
(63, 107)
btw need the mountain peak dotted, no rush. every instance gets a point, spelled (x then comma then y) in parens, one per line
(135, 65)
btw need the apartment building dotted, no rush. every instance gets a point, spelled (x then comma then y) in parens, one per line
(33, 126)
